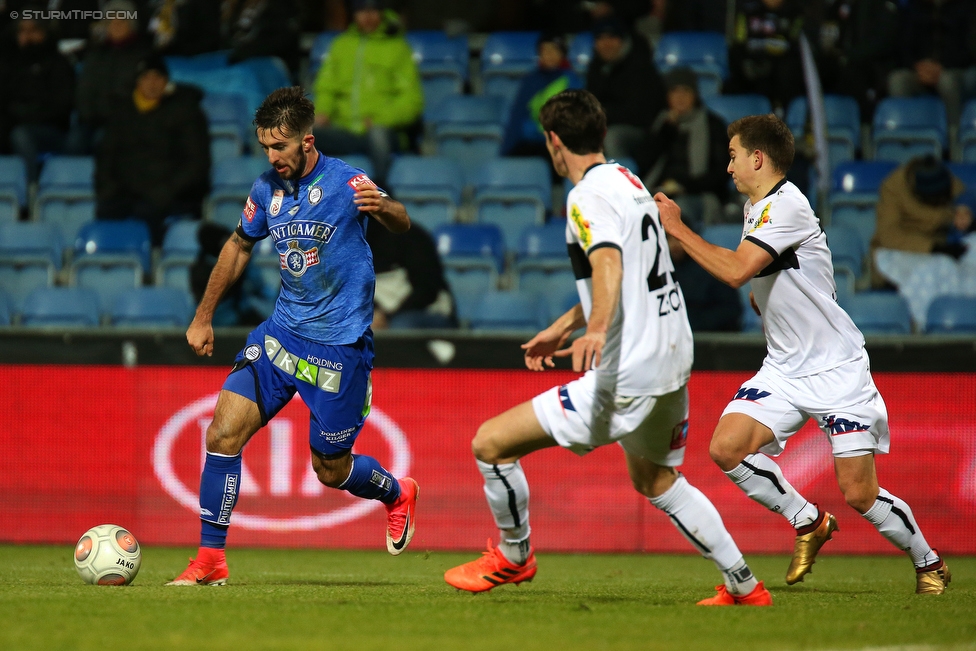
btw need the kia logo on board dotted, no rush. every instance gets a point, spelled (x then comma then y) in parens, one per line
(276, 477)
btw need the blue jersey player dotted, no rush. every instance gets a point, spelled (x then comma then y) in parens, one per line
(317, 341)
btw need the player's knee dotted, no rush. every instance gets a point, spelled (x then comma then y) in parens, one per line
(222, 439)
(655, 483)
(332, 472)
(860, 497)
(483, 445)
(726, 455)
(330, 476)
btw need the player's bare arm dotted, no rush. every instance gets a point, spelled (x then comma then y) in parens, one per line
(230, 265)
(734, 268)
(389, 212)
(607, 276)
(540, 349)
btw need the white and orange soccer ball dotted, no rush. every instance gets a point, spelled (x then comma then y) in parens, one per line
(108, 555)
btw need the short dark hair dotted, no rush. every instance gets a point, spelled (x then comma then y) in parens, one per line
(288, 110)
(576, 116)
(768, 134)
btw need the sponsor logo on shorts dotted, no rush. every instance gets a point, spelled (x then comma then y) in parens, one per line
(833, 425)
(326, 379)
(679, 435)
(564, 398)
(337, 437)
(752, 395)
(279, 196)
(252, 352)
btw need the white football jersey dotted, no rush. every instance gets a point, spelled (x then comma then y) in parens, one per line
(806, 330)
(649, 347)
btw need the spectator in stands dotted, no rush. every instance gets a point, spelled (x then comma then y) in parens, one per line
(681, 16)
(262, 28)
(688, 152)
(859, 45)
(249, 301)
(764, 55)
(108, 74)
(523, 133)
(185, 27)
(367, 94)
(712, 305)
(624, 79)
(36, 94)
(916, 209)
(154, 159)
(937, 52)
(411, 291)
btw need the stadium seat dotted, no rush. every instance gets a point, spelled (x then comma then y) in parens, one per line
(6, 310)
(472, 254)
(843, 117)
(439, 55)
(906, 127)
(965, 172)
(951, 314)
(512, 193)
(438, 89)
(270, 72)
(704, 52)
(179, 250)
(879, 312)
(862, 218)
(728, 236)
(360, 161)
(513, 310)
(847, 250)
(320, 51)
(265, 258)
(230, 182)
(13, 187)
(469, 129)
(856, 183)
(429, 186)
(33, 242)
(110, 257)
(207, 61)
(509, 53)
(152, 307)
(967, 132)
(239, 79)
(541, 263)
(581, 52)
(66, 194)
(228, 124)
(732, 107)
(18, 280)
(61, 307)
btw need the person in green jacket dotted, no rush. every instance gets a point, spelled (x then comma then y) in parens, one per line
(367, 92)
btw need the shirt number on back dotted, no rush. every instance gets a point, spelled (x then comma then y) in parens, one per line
(655, 280)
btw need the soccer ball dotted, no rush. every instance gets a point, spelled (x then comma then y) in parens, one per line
(108, 555)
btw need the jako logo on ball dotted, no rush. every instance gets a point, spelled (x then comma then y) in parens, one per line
(279, 490)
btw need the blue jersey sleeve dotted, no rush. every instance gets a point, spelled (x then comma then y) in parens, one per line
(254, 218)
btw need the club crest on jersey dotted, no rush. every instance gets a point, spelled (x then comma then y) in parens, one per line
(279, 196)
(297, 260)
(582, 226)
(361, 182)
(314, 195)
(249, 209)
(763, 219)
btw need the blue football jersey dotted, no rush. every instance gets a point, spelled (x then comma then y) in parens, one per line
(327, 276)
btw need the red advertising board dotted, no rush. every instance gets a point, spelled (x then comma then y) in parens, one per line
(88, 445)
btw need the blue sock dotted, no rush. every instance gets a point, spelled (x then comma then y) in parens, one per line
(371, 481)
(219, 485)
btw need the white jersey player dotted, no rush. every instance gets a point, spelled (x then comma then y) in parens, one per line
(816, 366)
(636, 353)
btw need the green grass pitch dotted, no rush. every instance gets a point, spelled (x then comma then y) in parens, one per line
(338, 600)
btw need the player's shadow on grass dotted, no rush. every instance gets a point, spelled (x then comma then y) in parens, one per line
(806, 589)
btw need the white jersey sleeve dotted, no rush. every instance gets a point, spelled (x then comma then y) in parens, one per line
(649, 348)
(806, 330)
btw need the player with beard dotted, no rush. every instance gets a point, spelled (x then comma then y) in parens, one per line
(317, 341)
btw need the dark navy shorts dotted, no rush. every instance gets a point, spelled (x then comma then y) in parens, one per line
(333, 381)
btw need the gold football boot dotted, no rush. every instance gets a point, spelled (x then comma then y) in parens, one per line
(932, 581)
(807, 545)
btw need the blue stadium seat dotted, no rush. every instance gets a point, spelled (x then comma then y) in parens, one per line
(907, 127)
(469, 129)
(228, 124)
(862, 218)
(856, 183)
(152, 307)
(513, 310)
(66, 194)
(704, 52)
(206, 61)
(581, 52)
(110, 257)
(361, 161)
(6, 310)
(879, 312)
(239, 79)
(843, 118)
(509, 53)
(13, 187)
(967, 132)
(439, 55)
(847, 250)
(951, 314)
(230, 182)
(541, 263)
(31, 242)
(512, 193)
(438, 89)
(965, 172)
(270, 72)
(429, 186)
(472, 254)
(320, 51)
(727, 236)
(179, 250)
(61, 307)
(732, 107)
(18, 280)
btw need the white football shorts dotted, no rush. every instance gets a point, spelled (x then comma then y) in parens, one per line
(582, 417)
(843, 401)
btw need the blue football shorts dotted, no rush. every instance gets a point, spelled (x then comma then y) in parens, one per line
(333, 381)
